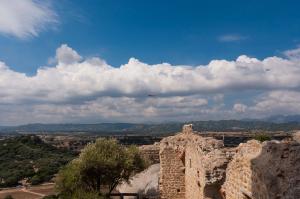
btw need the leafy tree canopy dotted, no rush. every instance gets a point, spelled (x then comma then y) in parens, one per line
(100, 167)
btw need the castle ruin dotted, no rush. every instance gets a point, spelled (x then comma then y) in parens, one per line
(196, 167)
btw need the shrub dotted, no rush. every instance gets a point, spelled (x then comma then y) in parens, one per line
(262, 137)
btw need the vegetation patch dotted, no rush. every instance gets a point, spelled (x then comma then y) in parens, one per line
(28, 157)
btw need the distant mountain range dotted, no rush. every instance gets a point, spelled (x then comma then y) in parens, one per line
(283, 118)
(275, 123)
(277, 119)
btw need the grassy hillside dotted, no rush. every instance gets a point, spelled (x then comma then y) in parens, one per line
(28, 157)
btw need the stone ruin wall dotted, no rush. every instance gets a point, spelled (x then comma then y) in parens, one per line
(172, 168)
(205, 163)
(264, 170)
(191, 166)
(194, 167)
(238, 182)
(172, 175)
(150, 153)
(193, 173)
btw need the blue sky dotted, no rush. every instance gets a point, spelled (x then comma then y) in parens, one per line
(71, 51)
(181, 32)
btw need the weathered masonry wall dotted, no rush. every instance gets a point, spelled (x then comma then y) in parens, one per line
(150, 153)
(196, 167)
(270, 170)
(194, 181)
(205, 168)
(197, 164)
(172, 174)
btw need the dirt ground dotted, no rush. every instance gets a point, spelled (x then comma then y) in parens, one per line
(34, 192)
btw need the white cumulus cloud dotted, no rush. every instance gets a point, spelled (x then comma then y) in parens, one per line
(77, 88)
(240, 108)
(67, 55)
(25, 18)
(281, 102)
(293, 54)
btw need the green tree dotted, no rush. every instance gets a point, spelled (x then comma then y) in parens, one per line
(100, 167)
(262, 137)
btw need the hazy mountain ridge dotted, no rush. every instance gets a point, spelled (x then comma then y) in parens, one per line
(162, 128)
(283, 118)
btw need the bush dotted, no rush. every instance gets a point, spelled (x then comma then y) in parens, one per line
(262, 137)
(36, 180)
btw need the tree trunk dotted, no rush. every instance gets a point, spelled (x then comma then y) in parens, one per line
(113, 185)
(98, 185)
